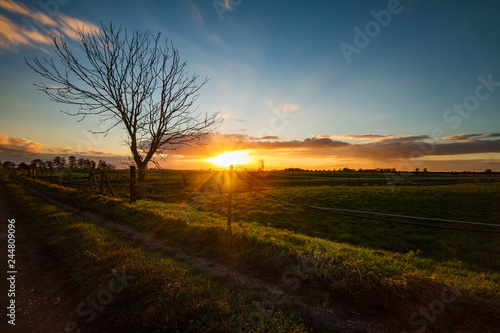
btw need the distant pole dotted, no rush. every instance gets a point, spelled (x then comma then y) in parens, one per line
(133, 193)
(185, 182)
(230, 198)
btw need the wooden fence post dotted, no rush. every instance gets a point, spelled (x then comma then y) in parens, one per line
(102, 183)
(230, 198)
(109, 184)
(133, 193)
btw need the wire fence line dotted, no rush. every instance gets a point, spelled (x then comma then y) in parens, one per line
(347, 213)
(386, 214)
(249, 177)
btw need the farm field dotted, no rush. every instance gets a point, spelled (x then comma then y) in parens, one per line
(393, 268)
(217, 179)
(245, 166)
(146, 291)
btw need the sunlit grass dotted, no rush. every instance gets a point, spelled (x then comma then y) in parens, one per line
(164, 295)
(351, 261)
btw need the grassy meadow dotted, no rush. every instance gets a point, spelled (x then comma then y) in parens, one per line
(384, 268)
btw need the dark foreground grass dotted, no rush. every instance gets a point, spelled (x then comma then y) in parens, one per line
(160, 294)
(398, 285)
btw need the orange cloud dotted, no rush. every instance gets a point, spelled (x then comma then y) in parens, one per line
(36, 27)
(14, 7)
(18, 146)
(13, 34)
(383, 148)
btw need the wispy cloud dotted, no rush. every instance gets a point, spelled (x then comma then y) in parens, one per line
(363, 137)
(226, 116)
(77, 152)
(18, 146)
(471, 137)
(36, 26)
(13, 35)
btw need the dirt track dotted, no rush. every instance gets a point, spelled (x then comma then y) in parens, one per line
(44, 302)
(46, 305)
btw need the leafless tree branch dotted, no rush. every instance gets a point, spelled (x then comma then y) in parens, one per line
(135, 80)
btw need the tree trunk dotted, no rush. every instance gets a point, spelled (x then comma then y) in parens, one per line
(141, 180)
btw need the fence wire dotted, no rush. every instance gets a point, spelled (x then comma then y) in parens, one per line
(348, 213)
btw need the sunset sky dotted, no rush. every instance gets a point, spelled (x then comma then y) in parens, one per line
(311, 84)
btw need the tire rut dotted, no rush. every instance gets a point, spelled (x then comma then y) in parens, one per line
(322, 317)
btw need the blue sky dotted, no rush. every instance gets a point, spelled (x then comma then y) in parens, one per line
(276, 69)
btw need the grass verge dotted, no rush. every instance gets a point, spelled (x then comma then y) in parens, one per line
(157, 294)
(413, 291)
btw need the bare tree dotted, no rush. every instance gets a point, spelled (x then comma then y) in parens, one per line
(136, 81)
(261, 165)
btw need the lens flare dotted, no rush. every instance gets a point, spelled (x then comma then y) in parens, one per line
(224, 160)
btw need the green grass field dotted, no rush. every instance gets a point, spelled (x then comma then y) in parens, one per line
(162, 294)
(389, 268)
(468, 202)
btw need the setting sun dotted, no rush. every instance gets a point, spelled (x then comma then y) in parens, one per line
(224, 160)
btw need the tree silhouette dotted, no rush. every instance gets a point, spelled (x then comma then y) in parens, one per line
(261, 165)
(102, 165)
(38, 163)
(136, 81)
(59, 162)
(8, 165)
(72, 162)
(80, 163)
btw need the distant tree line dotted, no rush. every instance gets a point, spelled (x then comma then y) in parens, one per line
(377, 170)
(59, 163)
(346, 169)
